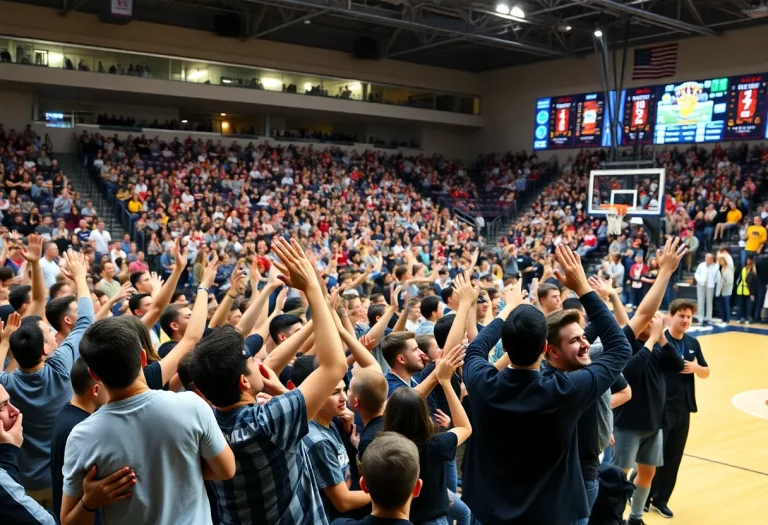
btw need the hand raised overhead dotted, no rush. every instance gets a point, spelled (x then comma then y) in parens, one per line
(572, 276)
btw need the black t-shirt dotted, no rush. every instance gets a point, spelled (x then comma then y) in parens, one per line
(166, 348)
(370, 520)
(69, 416)
(154, 376)
(368, 434)
(681, 388)
(437, 396)
(433, 503)
(5, 312)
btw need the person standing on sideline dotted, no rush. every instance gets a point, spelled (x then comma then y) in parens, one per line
(756, 237)
(525, 486)
(707, 278)
(724, 289)
(745, 290)
(680, 402)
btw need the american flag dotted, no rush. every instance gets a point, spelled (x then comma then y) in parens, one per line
(655, 62)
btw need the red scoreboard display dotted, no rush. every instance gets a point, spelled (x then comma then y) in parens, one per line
(639, 108)
(746, 107)
(562, 115)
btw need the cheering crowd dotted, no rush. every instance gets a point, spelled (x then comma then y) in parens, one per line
(301, 337)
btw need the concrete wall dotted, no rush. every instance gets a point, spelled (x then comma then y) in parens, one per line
(27, 21)
(16, 109)
(509, 95)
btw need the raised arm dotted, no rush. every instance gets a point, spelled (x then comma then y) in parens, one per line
(377, 330)
(163, 298)
(10, 326)
(297, 272)
(32, 254)
(251, 315)
(461, 425)
(447, 364)
(236, 280)
(282, 354)
(170, 363)
(467, 296)
(609, 293)
(668, 261)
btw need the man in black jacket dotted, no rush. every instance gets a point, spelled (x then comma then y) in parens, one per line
(537, 479)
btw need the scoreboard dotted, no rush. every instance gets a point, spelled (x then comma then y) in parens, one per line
(574, 121)
(711, 110)
(637, 110)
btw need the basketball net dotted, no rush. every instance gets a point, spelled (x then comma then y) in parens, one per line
(615, 213)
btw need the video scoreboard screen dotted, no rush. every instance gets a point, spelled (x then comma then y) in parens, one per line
(574, 121)
(712, 110)
(638, 114)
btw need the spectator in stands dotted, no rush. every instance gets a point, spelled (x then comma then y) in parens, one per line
(707, 280)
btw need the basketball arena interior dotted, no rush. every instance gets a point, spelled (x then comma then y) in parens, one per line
(424, 132)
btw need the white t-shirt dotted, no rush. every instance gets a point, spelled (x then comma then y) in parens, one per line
(51, 271)
(162, 436)
(102, 240)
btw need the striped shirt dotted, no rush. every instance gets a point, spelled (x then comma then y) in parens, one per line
(273, 483)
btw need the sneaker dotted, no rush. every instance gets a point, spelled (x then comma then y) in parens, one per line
(662, 509)
(722, 325)
(746, 323)
(634, 521)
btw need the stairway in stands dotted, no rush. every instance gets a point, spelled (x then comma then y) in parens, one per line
(90, 192)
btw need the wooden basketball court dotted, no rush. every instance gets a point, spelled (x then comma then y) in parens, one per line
(724, 474)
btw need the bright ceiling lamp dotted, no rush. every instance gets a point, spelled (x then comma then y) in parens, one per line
(517, 12)
(598, 33)
(502, 9)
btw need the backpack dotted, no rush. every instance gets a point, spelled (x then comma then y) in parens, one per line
(611, 502)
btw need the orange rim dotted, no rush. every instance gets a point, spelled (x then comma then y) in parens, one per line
(620, 209)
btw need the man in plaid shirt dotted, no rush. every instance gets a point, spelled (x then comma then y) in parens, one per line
(274, 483)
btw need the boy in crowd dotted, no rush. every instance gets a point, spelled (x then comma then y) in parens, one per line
(273, 479)
(392, 480)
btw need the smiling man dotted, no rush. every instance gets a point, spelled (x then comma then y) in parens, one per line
(568, 351)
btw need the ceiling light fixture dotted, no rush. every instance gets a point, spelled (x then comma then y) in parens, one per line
(502, 9)
(598, 33)
(223, 114)
(307, 22)
(517, 11)
(184, 121)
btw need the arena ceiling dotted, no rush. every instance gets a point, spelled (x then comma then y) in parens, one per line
(468, 35)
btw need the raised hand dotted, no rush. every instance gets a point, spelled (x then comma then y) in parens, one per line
(573, 277)
(514, 295)
(126, 290)
(368, 342)
(601, 286)
(75, 265)
(11, 324)
(449, 362)
(442, 419)
(104, 492)
(673, 253)
(34, 249)
(657, 328)
(209, 274)
(464, 290)
(296, 270)
(237, 280)
(155, 281)
(280, 299)
(181, 256)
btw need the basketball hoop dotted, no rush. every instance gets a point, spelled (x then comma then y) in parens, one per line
(615, 213)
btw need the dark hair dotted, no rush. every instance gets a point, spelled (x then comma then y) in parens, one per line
(185, 368)
(523, 335)
(293, 303)
(544, 290)
(176, 295)
(393, 345)
(390, 467)
(374, 311)
(408, 414)
(375, 297)
(112, 350)
(281, 324)
(302, 367)
(53, 291)
(170, 315)
(80, 378)
(556, 321)
(28, 342)
(144, 338)
(104, 264)
(134, 303)
(134, 278)
(400, 271)
(682, 304)
(6, 273)
(56, 309)
(98, 293)
(20, 296)
(442, 328)
(573, 303)
(219, 361)
(429, 306)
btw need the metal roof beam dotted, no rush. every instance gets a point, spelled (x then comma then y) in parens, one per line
(289, 23)
(359, 12)
(652, 17)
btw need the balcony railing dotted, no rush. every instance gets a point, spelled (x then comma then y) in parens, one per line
(116, 62)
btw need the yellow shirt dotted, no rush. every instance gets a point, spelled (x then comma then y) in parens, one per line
(134, 206)
(756, 235)
(733, 216)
